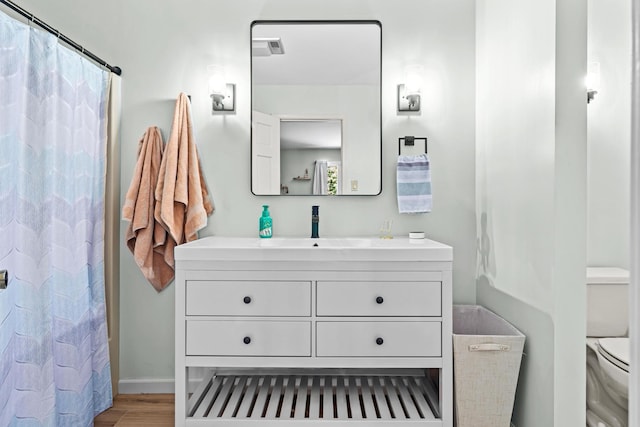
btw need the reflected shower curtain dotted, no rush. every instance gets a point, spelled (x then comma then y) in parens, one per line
(54, 357)
(320, 178)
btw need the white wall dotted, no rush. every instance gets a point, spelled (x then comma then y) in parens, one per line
(515, 143)
(531, 191)
(164, 48)
(515, 108)
(609, 140)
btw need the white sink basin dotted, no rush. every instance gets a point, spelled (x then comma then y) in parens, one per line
(316, 243)
(339, 249)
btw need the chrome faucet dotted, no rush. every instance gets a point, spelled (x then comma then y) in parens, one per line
(315, 219)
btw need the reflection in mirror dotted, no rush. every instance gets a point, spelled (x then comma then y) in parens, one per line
(315, 147)
(316, 123)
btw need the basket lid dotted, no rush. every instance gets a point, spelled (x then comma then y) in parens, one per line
(605, 275)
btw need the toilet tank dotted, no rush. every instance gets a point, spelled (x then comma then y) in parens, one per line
(607, 302)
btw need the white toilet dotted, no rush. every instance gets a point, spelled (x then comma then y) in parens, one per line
(607, 347)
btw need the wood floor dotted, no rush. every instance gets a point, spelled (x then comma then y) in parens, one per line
(138, 410)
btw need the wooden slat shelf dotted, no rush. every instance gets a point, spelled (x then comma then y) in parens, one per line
(377, 399)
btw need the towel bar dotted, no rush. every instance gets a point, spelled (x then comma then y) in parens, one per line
(409, 141)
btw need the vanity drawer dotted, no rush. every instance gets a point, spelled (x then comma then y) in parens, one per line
(379, 339)
(247, 298)
(248, 338)
(379, 299)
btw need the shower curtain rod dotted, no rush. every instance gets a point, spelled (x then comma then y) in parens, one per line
(67, 40)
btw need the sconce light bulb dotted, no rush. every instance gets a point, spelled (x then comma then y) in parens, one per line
(413, 79)
(217, 81)
(222, 93)
(592, 81)
(216, 85)
(413, 87)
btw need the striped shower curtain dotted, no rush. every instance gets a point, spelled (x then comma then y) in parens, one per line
(54, 357)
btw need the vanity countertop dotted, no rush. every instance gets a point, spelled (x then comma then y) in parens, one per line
(307, 249)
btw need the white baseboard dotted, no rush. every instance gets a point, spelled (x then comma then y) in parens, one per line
(155, 385)
(143, 386)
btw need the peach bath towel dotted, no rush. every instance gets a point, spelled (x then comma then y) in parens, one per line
(183, 198)
(146, 238)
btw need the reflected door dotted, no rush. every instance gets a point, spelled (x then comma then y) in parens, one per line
(265, 155)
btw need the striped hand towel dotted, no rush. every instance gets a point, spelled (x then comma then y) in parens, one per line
(414, 184)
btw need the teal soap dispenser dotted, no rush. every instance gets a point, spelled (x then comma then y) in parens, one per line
(266, 223)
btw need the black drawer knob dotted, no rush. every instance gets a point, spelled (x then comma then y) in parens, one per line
(379, 341)
(379, 300)
(246, 300)
(246, 340)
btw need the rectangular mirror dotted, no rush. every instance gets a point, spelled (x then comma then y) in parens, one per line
(316, 124)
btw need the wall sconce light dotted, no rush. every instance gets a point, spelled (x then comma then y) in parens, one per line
(223, 94)
(592, 80)
(409, 92)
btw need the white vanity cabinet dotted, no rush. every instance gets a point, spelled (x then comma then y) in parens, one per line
(282, 332)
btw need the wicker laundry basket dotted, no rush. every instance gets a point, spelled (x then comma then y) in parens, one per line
(487, 351)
